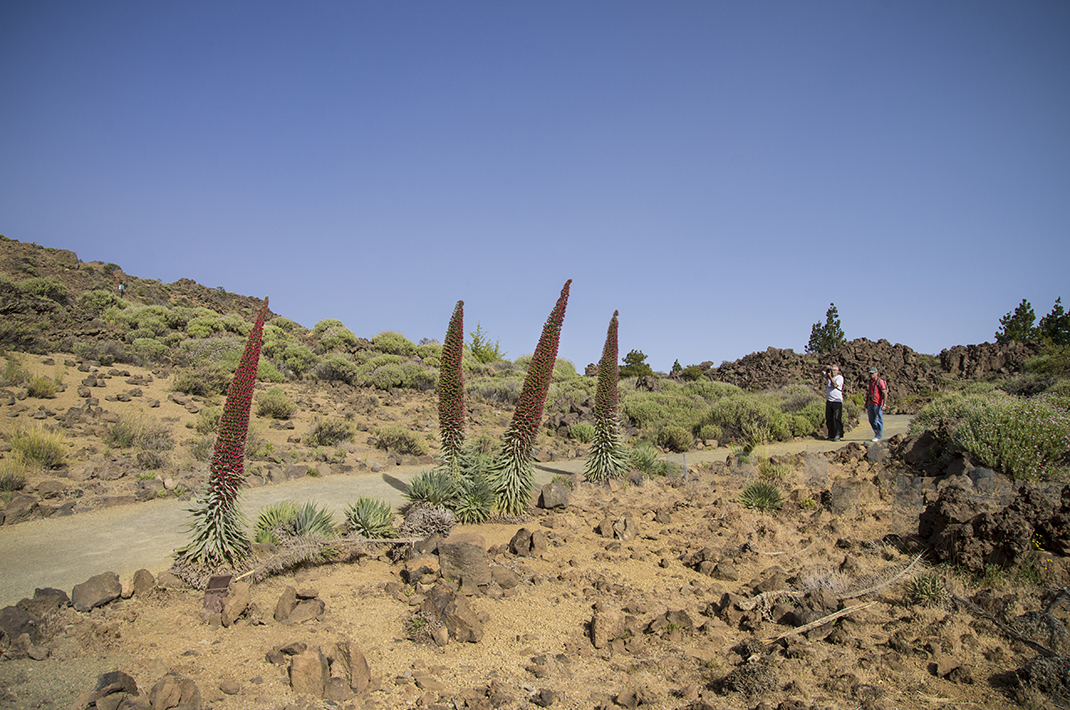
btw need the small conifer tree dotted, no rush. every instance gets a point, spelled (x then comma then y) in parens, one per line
(823, 338)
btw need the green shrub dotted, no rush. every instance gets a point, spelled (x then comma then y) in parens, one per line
(710, 432)
(234, 323)
(582, 432)
(151, 349)
(203, 381)
(37, 446)
(41, 387)
(300, 359)
(1027, 439)
(761, 495)
(337, 369)
(396, 438)
(772, 471)
(801, 425)
(371, 518)
(435, 487)
(45, 288)
(13, 373)
(275, 404)
(749, 420)
(267, 372)
(204, 326)
(99, 301)
(11, 479)
(333, 334)
(409, 375)
(564, 369)
(208, 420)
(201, 448)
(496, 390)
(105, 352)
(395, 343)
(674, 438)
(1052, 360)
(329, 432)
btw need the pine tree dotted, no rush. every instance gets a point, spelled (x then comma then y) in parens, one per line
(823, 338)
(1017, 327)
(1055, 327)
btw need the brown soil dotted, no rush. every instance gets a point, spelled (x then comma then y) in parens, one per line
(893, 652)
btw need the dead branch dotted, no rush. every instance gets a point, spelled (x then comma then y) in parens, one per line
(822, 621)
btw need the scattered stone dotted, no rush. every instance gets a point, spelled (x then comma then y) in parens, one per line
(553, 495)
(309, 673)
(464, 557)
(236, 602)
(175, 691)
(354, 666)
(96, 591)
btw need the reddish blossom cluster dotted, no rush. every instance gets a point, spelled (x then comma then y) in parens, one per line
(605, 398)
(528, 413)
(228, 458)
(451, 412)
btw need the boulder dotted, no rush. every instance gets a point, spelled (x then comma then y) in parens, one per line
(309, 673)
(553, 495)
(353, 666)
(464, 557)
(96, 591)
(175, 692)
(236, 602)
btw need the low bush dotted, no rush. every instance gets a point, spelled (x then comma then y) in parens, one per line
(371, 518)
(150, 349)
(203, 381)
(13, 373)
(299, 359)
(395, 343)
(710, 432)
(1027, 439)
(337, 369)
(674, 438)
(11, 479)
(201, 448)
(928, 590)
(41, 387)
(749, 420)
(134, 431)
(37, 446)
(330, 432)
(335, 336)
(204, 326)
(45, 288)
(763, 496)
(208, 420)
(644, 459)
(396, 438)
(275, 404)
(582, 432)
(99, 301)
(106, 352)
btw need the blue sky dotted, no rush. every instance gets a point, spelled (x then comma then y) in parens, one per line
(717, 171)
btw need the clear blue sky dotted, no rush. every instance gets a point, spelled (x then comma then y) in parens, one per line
(717, 171)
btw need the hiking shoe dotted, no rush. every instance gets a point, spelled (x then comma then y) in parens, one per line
(875, 439)
(835, 438)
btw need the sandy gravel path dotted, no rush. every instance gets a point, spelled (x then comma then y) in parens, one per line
(63, 552)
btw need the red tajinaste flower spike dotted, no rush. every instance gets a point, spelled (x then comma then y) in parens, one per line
(513, 477)
(218, 526)
(451, 412)
(608, 458)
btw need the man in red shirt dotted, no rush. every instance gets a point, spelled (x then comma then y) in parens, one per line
(876, 398)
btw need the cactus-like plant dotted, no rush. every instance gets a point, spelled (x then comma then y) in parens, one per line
(608, 458)
(218, 527)
(370, 517)
(451, 393)
(513, 476)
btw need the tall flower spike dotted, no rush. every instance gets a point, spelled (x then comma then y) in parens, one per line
(451, 411)
(513, 476)
(608, 458)
(218, 526)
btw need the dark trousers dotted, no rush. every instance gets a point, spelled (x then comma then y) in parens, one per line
(834, 419)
